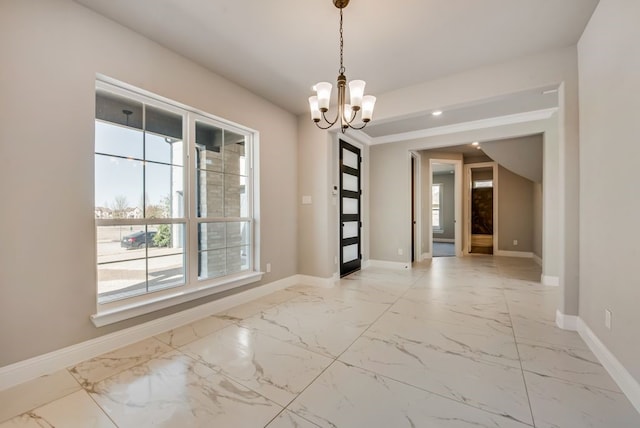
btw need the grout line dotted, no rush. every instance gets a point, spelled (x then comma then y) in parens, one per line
(515, 342)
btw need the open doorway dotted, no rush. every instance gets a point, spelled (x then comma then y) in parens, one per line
(481, 205)
(445, 188)
(443, 209)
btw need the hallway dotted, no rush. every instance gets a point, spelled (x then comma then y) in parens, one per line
(459, 342)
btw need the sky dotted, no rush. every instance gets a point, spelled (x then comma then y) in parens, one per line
(121, 170)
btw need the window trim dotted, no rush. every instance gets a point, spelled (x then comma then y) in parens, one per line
(193, 288)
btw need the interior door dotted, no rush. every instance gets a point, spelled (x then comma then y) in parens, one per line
(350, 213)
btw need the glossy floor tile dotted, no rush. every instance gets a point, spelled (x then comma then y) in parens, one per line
(275, 369)
(346, 396)
(76, 410)
(40, 391)
(452, 343)
(176, 391)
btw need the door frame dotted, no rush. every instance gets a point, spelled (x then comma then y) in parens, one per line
(467, 203)
(458, 194)
(416, 202)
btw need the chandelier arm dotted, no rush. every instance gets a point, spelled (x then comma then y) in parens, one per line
(353, 117)
(358, 127)
(323, 127)
(331, 123)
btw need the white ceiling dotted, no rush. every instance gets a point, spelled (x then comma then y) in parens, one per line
(280, 48)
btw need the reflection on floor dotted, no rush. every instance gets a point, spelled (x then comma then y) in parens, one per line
(461, 342)
(444, 249)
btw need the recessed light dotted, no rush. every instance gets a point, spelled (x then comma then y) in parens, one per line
(549, 91)
(475, 143)
(437, 113)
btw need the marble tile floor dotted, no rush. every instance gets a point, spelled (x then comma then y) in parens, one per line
(459, 342)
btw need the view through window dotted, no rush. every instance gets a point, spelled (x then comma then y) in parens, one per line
(145, 188)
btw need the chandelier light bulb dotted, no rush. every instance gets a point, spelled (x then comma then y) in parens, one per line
(323, 90)
(315, 110)
(348, 113)
(368, 102)
(356, 91)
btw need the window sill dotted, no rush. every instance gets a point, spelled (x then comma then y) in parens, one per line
(438, 230)
(125, 310)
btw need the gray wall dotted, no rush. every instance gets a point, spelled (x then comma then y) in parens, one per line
(51, 51)
(515, 211)
(522, 155)
(609, 59)
(447, 210)
(537, 219)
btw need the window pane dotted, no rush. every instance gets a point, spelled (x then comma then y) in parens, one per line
(237, 234)
(163, 191)
(235, 158)
(211, 236)
(163, 122)
(120, 243)
(210, 194)
(209, 145)
(480, 184)
(435, 193)
(165, 272)
(165, 239)
(349, 159)
(235, 196)
(350, 229)
(212, 264)
(120, 110)
(350, 252)
(118, 187)
(163, 149)
(121, 279)
(119, 141)
(349, 182)
(436, 219)
(349, 206)
(237, 259)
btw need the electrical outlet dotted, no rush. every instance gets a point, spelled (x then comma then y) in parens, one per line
(515, 242)
(268, 267)
(400, 251)
(607, 318)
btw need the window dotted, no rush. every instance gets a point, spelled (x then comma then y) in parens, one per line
(166, 222)
(482, 184)
(436, 207)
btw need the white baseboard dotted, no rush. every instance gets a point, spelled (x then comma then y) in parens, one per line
(522, 254)
(315, 281)
(537, 259)
(566, 322)
(426, 256)
(552, 281)
(51, 362)
(627, 383)
(389, 265)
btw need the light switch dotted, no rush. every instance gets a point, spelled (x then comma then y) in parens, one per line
(306, 200)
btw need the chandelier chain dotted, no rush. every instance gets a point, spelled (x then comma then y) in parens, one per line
(342, 69)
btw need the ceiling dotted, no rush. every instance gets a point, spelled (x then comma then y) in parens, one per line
(279, 48)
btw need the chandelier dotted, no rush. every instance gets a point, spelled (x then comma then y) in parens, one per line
(319, 103)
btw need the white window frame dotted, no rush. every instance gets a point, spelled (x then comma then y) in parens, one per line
(437, 228)
(194, 288)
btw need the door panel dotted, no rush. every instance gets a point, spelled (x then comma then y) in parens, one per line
(350, 215)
